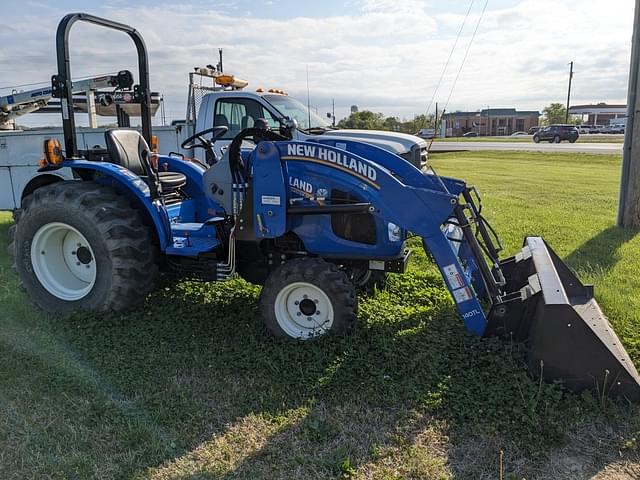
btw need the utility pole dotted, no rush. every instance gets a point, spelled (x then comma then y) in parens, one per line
(435, 123)
(333, 111)
(308, 99)
(488, 127)
(566, 114)
(629, 205)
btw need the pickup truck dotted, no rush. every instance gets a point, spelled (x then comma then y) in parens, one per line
(20, 151)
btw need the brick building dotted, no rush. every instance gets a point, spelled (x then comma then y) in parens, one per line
(490, 121)
(600, 113)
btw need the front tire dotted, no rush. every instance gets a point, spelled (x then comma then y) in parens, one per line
(536, 139)
(306, 298)
(556, 139)
(81, 246)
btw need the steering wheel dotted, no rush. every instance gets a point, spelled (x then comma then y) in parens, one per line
(204, 143)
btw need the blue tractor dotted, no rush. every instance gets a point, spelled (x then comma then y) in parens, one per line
(309, 220)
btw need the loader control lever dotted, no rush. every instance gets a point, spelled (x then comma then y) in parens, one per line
(199, 140)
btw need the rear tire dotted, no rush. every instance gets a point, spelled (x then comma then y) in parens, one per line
(556, 139)
(307, 298)
(81, 246)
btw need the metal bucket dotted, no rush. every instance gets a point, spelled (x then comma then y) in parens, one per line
(567, 335)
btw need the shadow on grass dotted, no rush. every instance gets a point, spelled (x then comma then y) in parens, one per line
(600, 251)
(137, 394)
(197, 361)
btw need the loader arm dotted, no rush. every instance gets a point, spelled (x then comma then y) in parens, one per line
(531, 297)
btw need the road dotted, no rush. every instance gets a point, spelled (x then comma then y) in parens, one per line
(602, 148)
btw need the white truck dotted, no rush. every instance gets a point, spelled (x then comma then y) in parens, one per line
(225, 103)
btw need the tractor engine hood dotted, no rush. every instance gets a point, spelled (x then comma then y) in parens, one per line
(411, 148)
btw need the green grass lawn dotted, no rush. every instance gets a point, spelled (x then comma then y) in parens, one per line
(599, 138)
(191, 386)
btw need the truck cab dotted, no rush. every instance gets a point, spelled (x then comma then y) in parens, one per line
(239, 109)
(229, 104)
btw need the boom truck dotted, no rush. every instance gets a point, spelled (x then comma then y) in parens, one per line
(214, 99)
(101, 240)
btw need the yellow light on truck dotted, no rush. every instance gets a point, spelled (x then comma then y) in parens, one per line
(155, 145)
(231, 81)
(52, 152)
(224, 80)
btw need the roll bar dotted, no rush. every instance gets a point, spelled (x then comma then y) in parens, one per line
(61, 83)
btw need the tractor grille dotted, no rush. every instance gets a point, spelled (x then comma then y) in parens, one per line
(356, 227)
(417, 156)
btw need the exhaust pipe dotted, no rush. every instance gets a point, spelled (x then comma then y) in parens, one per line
(567, 335)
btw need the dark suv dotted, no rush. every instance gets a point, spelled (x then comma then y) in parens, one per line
(557, 133)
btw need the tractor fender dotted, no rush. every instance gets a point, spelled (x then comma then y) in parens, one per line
(40, 180)
(130, 184)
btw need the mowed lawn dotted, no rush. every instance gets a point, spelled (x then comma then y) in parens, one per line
(191, 386)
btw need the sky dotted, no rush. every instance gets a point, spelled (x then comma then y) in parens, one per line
(381, 55)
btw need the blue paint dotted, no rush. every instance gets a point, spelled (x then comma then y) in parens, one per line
(286, 174)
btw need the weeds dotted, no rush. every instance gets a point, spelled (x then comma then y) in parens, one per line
(191, 386)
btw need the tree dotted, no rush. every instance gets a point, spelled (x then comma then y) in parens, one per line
(557, 113)
(364, 119)
(368, 120)
(391, 124)
(554, 113)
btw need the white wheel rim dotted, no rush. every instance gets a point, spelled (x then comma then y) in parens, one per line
(63, 261)
(303, 310)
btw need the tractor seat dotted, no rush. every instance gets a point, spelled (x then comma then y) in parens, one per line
(129, 149)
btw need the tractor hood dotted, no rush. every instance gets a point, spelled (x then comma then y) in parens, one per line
(395, 142)
(411, 148)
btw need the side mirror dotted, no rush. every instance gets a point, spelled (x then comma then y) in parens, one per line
(289, 125)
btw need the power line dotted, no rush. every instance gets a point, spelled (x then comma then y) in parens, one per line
(466, 53)
(446, 65)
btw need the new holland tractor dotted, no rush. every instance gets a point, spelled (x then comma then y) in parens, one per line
(298, 217)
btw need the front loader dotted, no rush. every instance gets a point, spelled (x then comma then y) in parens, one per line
(301, 218)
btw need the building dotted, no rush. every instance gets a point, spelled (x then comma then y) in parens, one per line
(490, 121)
(600, 113)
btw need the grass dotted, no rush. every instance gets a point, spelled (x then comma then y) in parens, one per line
(192, 387)
(598, 138)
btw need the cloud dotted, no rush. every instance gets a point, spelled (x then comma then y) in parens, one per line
(386, 56)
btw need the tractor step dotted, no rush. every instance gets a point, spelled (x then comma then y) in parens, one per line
(192, 239)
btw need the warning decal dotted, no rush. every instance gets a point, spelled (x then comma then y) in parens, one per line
(270, 200)
(462, 294)
(453, 276)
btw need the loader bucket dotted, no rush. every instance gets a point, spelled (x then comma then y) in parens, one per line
(567, 335)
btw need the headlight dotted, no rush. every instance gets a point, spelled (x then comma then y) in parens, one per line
(395, 232)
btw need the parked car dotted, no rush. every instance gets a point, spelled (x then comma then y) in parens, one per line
(613, 129)
(426, 133)
(519, 134)
(582, 129)
(557, 133)
(533, 130)
(470, 134)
